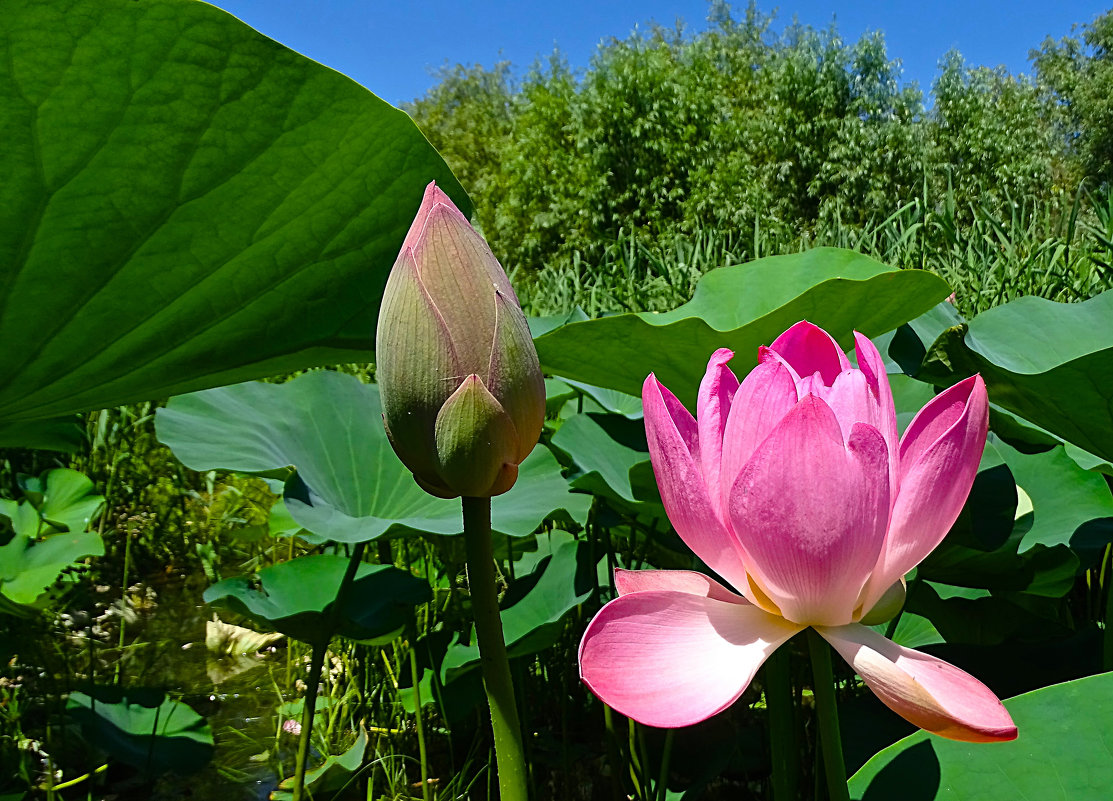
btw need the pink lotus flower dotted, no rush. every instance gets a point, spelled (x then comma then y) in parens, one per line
(795, 488)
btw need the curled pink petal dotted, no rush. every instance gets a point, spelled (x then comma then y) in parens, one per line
(674, 452)
(673, 659)
(689, 581)
(939, 457)
(809, 349)
(811, 513)
(925, 691)
(712, 408)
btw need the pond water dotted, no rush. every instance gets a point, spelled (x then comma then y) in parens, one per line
(165, 647)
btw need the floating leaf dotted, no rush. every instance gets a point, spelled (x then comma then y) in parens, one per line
(297, 599)
(739, 307)
(186, 203)
(1063, 753)
(611, 400)
(143, 728)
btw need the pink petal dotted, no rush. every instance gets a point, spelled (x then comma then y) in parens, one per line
(673, 659)
(712, 407)
(873, 368)
(939, 456)
(689, 581)
(925, 691)
(674, 451)
(809, 349)
(766, 395)
(851, 401)
(811, 513)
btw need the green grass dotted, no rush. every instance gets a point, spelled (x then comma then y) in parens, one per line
(1061, 251)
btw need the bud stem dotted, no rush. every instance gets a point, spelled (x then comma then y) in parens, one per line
(507, 731)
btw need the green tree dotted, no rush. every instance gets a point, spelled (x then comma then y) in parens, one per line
(1078, 75)
(994, 138)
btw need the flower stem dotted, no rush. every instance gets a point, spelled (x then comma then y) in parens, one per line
(507, 731)
(830, 740)
(782, 728)
(662, 789)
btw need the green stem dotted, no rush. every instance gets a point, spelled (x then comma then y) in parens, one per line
(635, 764)
(426, 790)
(666, 757)
(509, 755)
(782, 725)
(830, 740)
(613, 753)
(320, 650)
(1105, 583)
(123, 599)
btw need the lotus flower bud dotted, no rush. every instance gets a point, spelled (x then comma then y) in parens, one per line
(462, 391)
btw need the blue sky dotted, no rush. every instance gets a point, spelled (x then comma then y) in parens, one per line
(392, 47)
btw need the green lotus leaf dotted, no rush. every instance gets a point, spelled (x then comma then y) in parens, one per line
(1063, 753)
(611, 400)
(739, 307)
(549, 585)
(1031, 523)
(612, 459)
(143, 728)
(1051, 363)
(49, 533)
(330, 776)
(297, 599)
(349, 485)
(62, 434)
(186, 203)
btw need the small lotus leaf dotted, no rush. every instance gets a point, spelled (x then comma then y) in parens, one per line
(552, 583)
(298, 597)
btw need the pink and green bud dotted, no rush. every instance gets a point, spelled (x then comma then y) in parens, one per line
(463, 396)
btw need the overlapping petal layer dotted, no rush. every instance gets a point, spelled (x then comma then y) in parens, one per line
(674, 450)
(811, 512)
(793, 486)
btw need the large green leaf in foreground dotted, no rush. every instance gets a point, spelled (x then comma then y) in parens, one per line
(1051, 363)
(186, 203)
(740, 307)
(1063, 753)
(349, 485)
